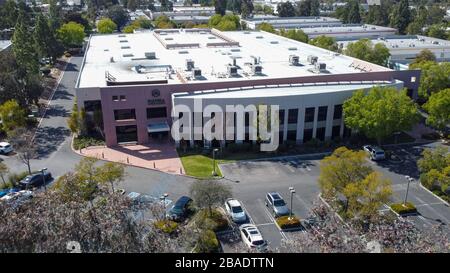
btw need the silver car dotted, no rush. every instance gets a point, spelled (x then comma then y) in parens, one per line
(235, 211)
(276, 203)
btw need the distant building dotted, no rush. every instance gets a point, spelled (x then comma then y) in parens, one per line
(404, 48)
(350, 31)
(292, 22)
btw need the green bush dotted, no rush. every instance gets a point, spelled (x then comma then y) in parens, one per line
(14, 178)
(207, 242)
(401, 208)
(284, 222)
(8, 185)
(81, 142)
(216, 221)
(166, 226)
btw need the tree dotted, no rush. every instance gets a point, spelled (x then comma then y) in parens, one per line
(434, 167)
(22, 140)
(12, 116)
(246, 8)
(379, 14)
(106, 25)
(433, 78)
(3, 171)
(325, 42)
(131, 5)
(353, 15)
(220, 6)
(365, 50)
(45, 41)
(8, 14)
(425, 56)
(23, 46)
(437, 31)
(118, 15)
(400, 16)
(143, 22)
(380, 112)
(234, 6)
(111, 173)
(285, 9)
(266, 27)
(208, 194)
(54, 15)
(71, 35)
(295, 34)
(438, 108)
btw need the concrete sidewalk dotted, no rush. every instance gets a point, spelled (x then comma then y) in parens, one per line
(156, 156)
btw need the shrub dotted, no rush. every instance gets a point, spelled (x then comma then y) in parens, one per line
(8, 185)
(166, 226)
(81, 142)
(207, 242)
(216, 222)
(401, 208)
(14, 178)
(284, 222)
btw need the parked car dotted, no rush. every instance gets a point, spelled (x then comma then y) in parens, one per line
(276, 203)
(17, 198)
(375, 153)
(235, 211)
(252, 237)
(35, 180)
(5, 148)
(141, 198)
(180, 209)
(6, 191)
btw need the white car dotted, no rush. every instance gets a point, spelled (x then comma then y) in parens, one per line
(375, 153)
(252, 237)
(17, 197)
(235, 211)
(5, 148)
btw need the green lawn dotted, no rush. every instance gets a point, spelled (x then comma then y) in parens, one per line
(199, 165)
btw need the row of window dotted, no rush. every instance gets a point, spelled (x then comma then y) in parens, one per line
(310, 113)
(124, 114)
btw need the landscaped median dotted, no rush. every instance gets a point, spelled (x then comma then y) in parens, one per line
(404, 208)
(287, 223)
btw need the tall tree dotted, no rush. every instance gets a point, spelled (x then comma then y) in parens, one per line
(220, 6)
(285, 9)
(209, 194)
(246, 8)
(118, 15)
(71, 34)
(23, 45)
(434, 77)
(45, 41)
(438, 108)
(380, 112)
(106, 25)
(401, 16)
(365, 50)
(12, 116)
(54, 15)
(353, 15)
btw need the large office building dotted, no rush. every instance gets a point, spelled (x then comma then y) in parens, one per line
(137, 80)
(349, 31)
(404, 48)
(292, 22)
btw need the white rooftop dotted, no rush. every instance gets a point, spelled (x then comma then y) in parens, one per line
(411, 41)
(121, 54)
(4, 44)
(347, 29)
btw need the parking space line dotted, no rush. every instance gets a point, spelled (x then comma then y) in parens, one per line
(248, 214)
(273, 220)
(265, 224)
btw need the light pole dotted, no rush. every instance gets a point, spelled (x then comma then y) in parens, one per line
(410, 179)
(43, 177)
(214, 161)
(292, 190)
(163, 199)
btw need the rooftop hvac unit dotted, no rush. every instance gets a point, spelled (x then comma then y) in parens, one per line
(150, 55)
(294, 60)
(255, 60)
(320, 66)
(256, 69)
(196, 72)
(189, 64)
(232, 71)
(312, 59)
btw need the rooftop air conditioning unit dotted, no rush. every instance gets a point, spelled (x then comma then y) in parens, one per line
(256, 69)
(294, 60)
(196, 72)
(150, 55)
(232, 71)
(320, 66)
(255, 60)
(312, 59)
(189, 64)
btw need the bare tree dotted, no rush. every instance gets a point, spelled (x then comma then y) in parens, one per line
(208, 193)
(22, 139)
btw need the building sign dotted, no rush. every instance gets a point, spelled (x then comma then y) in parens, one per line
(156, 102)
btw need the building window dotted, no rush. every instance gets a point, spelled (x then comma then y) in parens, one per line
(180, 115)
(122, 98)
(337, 111)
(309, 114)
(126, 133)
(280, 137)
(336, 132)
(157, 112)
(281, 117)
(322, 114)
(292, 116)
(307, 135)
(115, 98)
(92, 105)
(413, 79)
(291, 135)
(320, 133)
(247, 119)
(124, 114)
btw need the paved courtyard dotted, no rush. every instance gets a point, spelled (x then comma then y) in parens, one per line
(161, 156)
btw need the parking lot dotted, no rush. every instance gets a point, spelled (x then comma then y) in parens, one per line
(251, 180)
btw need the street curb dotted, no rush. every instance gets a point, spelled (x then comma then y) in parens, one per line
(329, 206)
(442, 200)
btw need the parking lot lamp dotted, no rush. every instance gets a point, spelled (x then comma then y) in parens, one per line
(410, 179)
(214, 161)
(292, 190)
(163, 199)
(43, 177)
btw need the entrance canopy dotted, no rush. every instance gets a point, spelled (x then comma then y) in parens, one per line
(158, 127)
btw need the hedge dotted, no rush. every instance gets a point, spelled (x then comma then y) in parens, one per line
(166, 226)
(284, 222)
(401, 208)
(81, 142)
(216, 222)
(207, 242)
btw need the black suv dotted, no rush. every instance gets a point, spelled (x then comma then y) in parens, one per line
(35, 180)
(180, 209)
